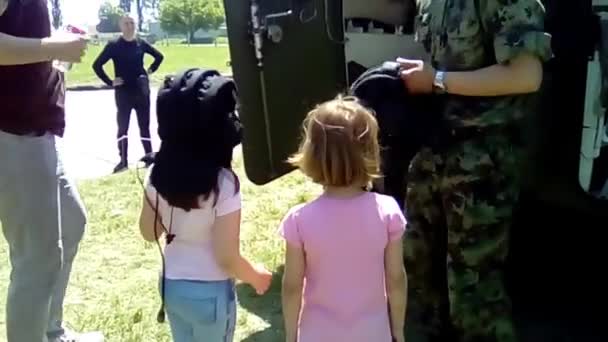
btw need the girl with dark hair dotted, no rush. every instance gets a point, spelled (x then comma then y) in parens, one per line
(193, 198)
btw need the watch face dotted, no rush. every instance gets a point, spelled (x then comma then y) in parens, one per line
(438, 82)
(438, 85)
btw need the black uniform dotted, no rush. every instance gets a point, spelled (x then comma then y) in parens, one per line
(128, 58)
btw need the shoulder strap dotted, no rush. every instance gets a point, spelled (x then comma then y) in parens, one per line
(480, 17)
(487, 38)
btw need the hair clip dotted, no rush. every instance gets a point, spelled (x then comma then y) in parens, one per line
(360, 136)
(323, 125)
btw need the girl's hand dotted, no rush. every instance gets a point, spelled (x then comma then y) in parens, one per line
(417, 76)
(263, 280)
(398, 338)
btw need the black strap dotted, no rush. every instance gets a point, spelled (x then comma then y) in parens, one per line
(487, 38)
(160, 317)
(480, 17)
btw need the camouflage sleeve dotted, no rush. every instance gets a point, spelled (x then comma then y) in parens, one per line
(516, 26)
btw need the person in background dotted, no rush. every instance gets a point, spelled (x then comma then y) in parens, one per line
(42, 216)
(131, 84)
(344, 277)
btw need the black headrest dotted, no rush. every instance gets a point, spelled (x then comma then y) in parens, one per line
(399, 114)
(197, 102)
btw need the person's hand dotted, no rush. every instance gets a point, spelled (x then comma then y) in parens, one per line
(3, 6)
(66, 47)
(399, 337)
(118, 82)
(417, 76)
(263, 280)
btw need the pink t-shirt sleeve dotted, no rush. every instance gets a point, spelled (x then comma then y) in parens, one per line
(289, 230)
(229, 200)
(396, 220)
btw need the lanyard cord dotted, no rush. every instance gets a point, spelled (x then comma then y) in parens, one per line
(160, 318)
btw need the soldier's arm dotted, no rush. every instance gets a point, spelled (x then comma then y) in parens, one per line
(523, 74)
(520, 46)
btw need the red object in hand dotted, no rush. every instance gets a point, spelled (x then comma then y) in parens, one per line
(75, 30)
(66, 66)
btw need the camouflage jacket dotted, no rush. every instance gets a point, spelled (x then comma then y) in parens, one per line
(463, 35)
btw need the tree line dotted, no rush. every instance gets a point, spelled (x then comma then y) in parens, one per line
(175, 16)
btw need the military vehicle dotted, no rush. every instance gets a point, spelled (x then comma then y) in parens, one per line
(288, 55)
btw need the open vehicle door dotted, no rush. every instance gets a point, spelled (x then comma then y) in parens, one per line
(288, 55)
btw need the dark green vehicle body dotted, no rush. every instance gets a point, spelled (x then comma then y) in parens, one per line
(555, 270)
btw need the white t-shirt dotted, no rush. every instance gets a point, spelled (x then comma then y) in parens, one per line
(190, 256)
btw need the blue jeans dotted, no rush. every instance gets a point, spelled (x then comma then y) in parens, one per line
(201, 311)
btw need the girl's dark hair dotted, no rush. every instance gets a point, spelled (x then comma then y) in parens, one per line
(187, 171)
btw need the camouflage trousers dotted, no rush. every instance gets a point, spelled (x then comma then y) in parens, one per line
(459, 204)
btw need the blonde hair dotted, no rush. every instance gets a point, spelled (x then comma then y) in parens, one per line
(340, 144)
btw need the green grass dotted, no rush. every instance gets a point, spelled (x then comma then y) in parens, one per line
(114, 283)
(177, 56)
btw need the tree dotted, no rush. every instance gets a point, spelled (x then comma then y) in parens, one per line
(140, 13)
(125, 5)
(154, 7)
(56, 13)
(189, 16)
(109, 17)
(140, 7)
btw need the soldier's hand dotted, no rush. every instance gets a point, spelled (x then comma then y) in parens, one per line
(66, 47)
(417, 76)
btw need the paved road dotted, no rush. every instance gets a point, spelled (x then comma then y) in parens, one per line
(89, 144)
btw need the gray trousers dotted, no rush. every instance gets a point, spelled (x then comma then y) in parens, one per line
(43, 220)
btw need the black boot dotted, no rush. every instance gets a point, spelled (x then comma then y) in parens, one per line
(148, 159)
(122, 166)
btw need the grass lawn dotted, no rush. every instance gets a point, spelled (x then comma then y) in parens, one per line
(114, 282)
(177, 56)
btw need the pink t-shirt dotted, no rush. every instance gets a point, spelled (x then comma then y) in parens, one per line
(344, 241)
(190, 256)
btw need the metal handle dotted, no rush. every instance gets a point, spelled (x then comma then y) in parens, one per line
(279, 15)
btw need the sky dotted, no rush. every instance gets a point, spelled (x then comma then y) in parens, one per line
(81, 12)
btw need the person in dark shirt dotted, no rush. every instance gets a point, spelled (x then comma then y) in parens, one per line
(43, 219)
(131, 84)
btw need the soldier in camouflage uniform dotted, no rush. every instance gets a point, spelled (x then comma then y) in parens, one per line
(461, 193)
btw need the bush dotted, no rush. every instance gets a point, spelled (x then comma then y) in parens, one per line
(200, 40)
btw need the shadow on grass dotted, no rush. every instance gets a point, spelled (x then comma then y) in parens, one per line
(267, 307)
